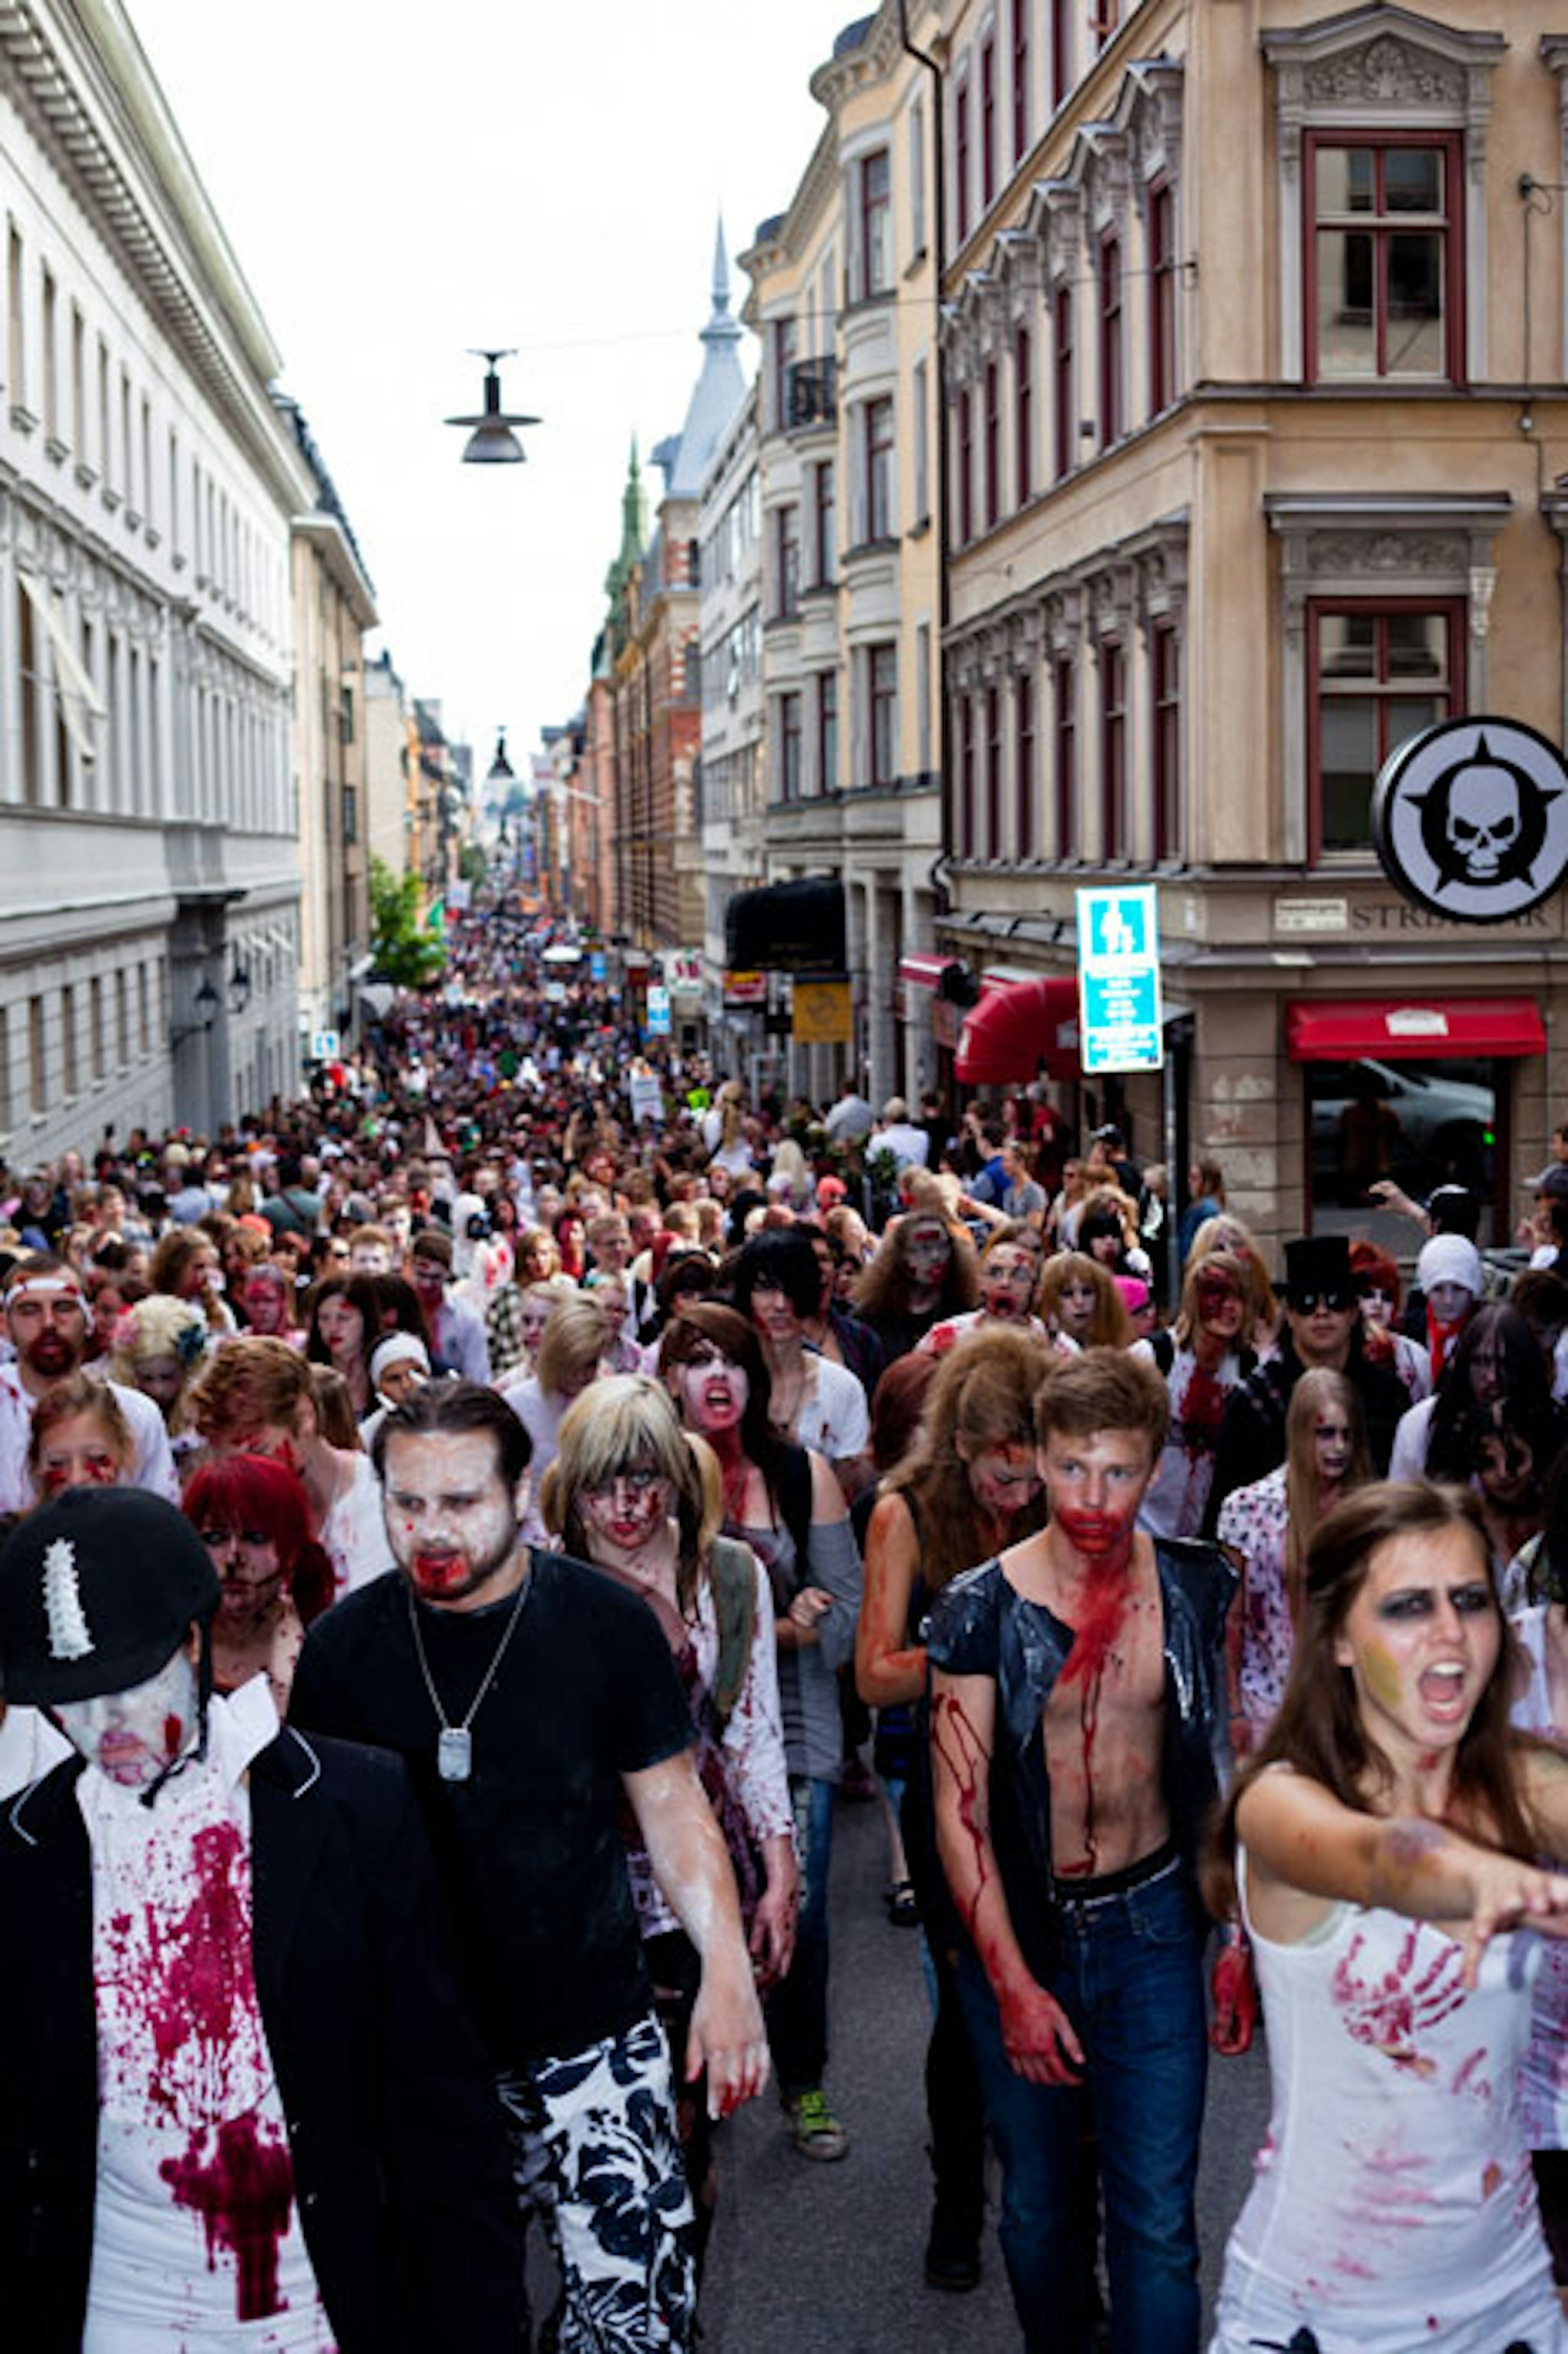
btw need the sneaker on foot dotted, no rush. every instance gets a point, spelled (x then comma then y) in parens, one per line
(816, 2131)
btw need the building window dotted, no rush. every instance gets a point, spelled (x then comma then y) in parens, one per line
(920, 399)
(51, 357)
(964, 456)
(38, 1060)
(70, 1074)
(1064, 423)
(1060, 66)
(1111, 425)
(962, 161)
(784, 344)
(827, 731)
(993, 771)
(31, 695)
(789, 748)
(143, 1013)
(1383, 282)
(95, 1026)
(990, 445)
(881, 691)
(917, 174)
(1023, 766)
(923, 697)
(1113, 748)
(787, 577)
(1103, 16)
(1378, 675)
(966, 825)
(15, 319)
(988, 124)
(823, 524)
(1019, 78)
(1064, 688)
(1161, 298)
(1024, 416)
(1165, 667)
(879, 468)
(876, 224)
(350, 813)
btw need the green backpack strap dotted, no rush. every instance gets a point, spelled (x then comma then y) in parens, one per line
(733, 1575)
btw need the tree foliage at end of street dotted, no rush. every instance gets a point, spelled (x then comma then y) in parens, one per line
(406, 954)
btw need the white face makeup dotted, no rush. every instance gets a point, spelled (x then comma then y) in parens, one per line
(1008, 1277)
(132, 1736)
(1449, 1302)
(926, 1250)
(1331, 1444)
(370, 1258)
(712, 1389)
(451, 1521)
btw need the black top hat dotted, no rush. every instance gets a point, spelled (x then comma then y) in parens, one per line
(1319, 1263)
(97, 1593)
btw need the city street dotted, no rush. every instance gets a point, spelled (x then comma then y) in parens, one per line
(806, 2258)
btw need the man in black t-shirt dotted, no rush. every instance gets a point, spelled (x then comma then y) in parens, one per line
(533, 1701)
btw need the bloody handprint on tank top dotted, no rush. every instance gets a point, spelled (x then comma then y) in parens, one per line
(1392, 2011)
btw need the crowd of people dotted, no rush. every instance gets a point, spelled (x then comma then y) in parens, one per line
(471, 1527)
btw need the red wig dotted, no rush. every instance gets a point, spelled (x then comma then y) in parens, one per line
(252, 1493)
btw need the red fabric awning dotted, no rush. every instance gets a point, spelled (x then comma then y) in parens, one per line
(925, 971)
(1018, 1025)
(1411, 1029)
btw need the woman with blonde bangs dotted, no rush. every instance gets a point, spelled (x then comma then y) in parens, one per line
(969, 1488)
(538, 1258)
(634, 1494)
(1266, 1529)
(1227, 1233)
(1081, 1305)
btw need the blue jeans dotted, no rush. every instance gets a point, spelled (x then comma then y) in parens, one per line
(798, 2009)
(1131, 1979)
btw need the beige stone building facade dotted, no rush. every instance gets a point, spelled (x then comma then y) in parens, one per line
(1255, 356)
(844, 297)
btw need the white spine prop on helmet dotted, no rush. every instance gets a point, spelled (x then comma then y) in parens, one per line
(69, 1635)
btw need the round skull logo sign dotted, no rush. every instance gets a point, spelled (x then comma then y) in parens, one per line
(1470, 818)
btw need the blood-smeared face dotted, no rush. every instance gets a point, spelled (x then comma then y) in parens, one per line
(621, 1515)
(133, 1735)
(1220, 1306)
(1094, 1484)
(249, 1571)
(1422, 1637)
(1003, 1478)
(451, 1521)
(712, 1390)
(48, 1326)
(78, 1452)
(265, 1299)
(927, 1247)
(1008, 1277)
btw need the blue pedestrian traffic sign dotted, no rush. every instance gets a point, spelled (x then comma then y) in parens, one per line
(658, 1022)
(1120, 1020)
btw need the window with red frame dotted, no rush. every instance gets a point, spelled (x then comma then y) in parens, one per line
(962, 161)
(1063, 402)
(786, 529)
(1023, 415)
(990, 445)
(824, 523)
(963, 461)
(1165, 669)
(876, 223)
(966, 826)
(1161, 297)
(1383, 257)
(879, 469)
(988, 124)
(882, 689)
(1112, 424)
(1103, 19)
(827, 730)
(1113, 747)
(1378, 673)
(789, 748)
(1021, 78)
(1023, 766)
(1059, 58)
(992, 772)
(1064, 693)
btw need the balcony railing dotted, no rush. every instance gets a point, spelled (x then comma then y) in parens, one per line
(810, 394)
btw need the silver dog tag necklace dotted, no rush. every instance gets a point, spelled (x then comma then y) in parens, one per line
(454, 1748)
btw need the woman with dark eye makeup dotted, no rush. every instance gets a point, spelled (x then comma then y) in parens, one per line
(1381, 1850)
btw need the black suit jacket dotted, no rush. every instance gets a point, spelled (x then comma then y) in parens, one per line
(400, 2160)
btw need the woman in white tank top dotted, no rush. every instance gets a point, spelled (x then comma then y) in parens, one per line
(1378, 1851)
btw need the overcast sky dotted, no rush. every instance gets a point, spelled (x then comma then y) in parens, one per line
(400, 183)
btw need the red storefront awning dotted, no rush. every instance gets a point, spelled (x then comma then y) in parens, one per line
(1411, 1029)
(925, 971)
(1018, 1025)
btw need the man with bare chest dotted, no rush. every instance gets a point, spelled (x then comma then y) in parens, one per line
(1077, 1715)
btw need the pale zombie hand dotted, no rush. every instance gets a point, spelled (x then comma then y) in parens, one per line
(1391, 2012)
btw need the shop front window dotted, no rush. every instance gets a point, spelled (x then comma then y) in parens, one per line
(1419, 1125)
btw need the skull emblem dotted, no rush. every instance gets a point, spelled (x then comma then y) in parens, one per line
(1484, 820)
